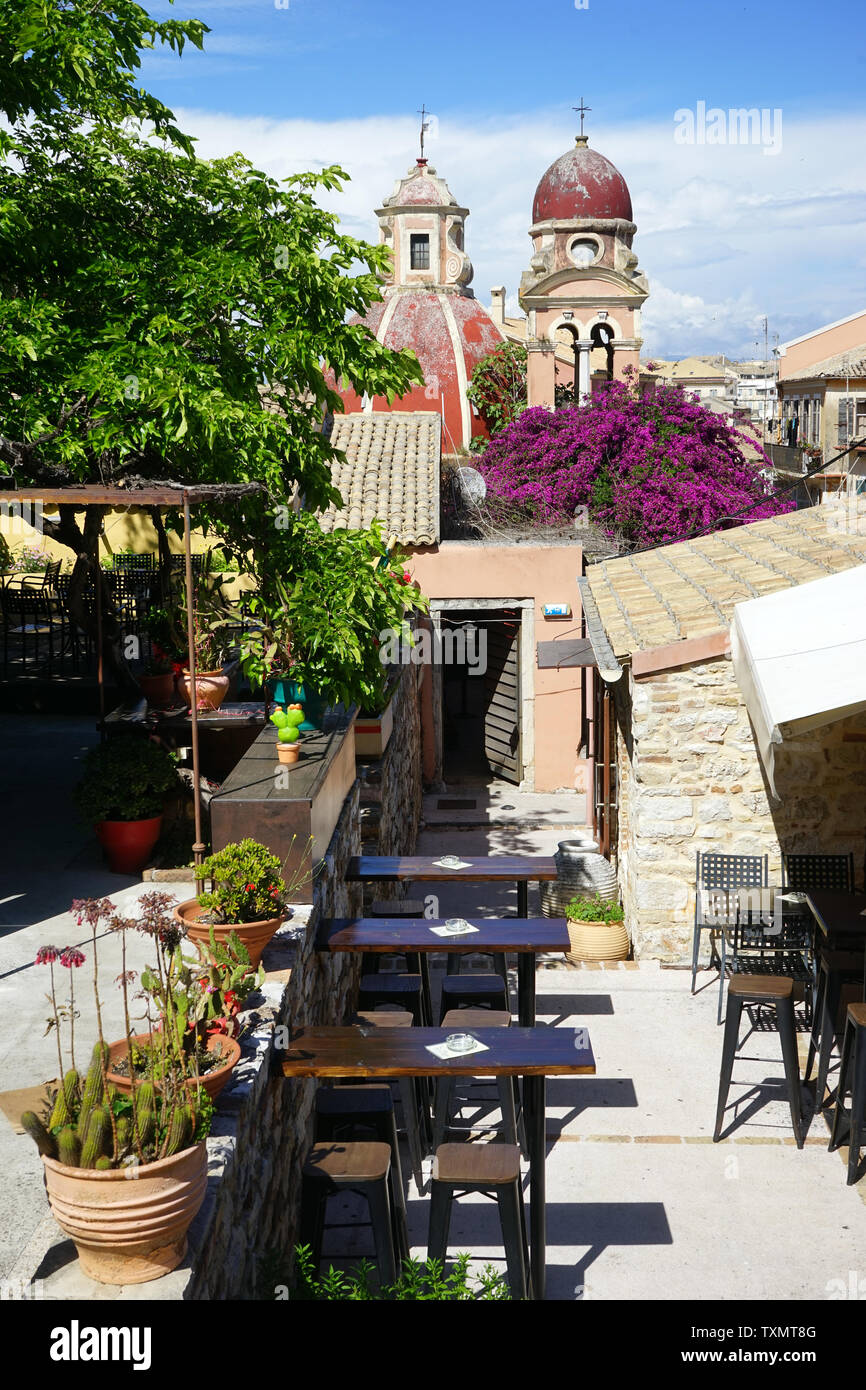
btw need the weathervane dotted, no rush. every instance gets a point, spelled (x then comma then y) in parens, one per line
(425, 125)
(582, 111)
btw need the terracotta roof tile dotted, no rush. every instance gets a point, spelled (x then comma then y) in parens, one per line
(690, 588)
(390, 473)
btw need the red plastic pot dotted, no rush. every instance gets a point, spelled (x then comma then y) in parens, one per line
(128, 844)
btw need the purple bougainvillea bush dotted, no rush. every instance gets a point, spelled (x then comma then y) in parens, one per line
(648, 469)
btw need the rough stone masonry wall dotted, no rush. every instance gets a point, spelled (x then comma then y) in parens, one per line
(263, 1126)
(691, 779)
(391, 787)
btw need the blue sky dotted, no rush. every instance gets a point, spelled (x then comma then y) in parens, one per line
(726, 232)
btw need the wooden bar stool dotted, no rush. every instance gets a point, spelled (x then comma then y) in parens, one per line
(406, 991)
(494, 1170)
(473, 992)
(415, 1115)
(355, 1112)
(460, 1020)
(777, 993)
(853, 1050)
(363, 1168)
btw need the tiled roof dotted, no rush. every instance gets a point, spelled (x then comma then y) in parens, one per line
(689, 589)
(851, 363)
(390, 474)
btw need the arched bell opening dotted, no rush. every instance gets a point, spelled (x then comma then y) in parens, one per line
(602, 336)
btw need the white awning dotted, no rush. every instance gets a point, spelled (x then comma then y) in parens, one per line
(800, 658)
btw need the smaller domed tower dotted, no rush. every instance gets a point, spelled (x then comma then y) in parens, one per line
(427, 305)
(583, 284)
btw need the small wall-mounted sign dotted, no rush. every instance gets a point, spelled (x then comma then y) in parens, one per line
(557, 610)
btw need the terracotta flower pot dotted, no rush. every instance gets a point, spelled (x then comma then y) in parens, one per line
(211, 688)
(129, 1225)
(288, 752)
(128, 844)
(228, 1048)
(158, 690)
(254, 935)
(597, 941)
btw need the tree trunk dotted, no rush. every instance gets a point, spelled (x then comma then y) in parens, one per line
(83, 544)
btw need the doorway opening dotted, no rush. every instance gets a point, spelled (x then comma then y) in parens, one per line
(481, 696)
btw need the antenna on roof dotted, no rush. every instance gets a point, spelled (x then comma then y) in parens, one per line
(425, 126)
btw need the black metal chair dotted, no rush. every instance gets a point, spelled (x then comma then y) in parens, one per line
(135, 564)
(34, 627)
(834, 872)
(715, 876)
(771, 936)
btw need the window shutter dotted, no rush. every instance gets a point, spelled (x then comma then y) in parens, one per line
(842, 423)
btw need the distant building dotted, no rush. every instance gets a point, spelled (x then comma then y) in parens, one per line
(822, 398)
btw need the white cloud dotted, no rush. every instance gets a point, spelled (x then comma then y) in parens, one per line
(725, 233)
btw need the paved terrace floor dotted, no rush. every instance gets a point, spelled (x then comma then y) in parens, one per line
(641, 1204)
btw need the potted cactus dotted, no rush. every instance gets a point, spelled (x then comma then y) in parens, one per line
(124, 788)
(199, 1000)
(287, 723)
(93, 1139)
(596, 930)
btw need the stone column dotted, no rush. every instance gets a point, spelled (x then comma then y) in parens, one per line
(583, 348)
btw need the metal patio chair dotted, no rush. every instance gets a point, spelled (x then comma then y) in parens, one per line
(834, 872)
(771, 936)
(715, 876)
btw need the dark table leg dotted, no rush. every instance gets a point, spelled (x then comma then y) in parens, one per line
(522, 898)
(832, 1000)
(533, 1110)
(526, 989)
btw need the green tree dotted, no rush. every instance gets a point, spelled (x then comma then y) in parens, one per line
(162, 318)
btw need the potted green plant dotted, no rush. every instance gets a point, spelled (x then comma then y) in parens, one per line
(122, 792)
(93, 1139)
(596, 930)
(324, 607)
(158, 681)
(213, 636)
(247, 896)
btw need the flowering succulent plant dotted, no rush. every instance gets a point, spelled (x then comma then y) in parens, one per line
(647, 469)
(246, 884)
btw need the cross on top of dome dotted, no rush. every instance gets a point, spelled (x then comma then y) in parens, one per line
(582, 110)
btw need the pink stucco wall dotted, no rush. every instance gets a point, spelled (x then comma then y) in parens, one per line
(821, 345)
(546, 574)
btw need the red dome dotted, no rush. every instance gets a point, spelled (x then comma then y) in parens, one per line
(429, 323)
(581, 183)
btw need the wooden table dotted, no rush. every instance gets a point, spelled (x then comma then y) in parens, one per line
(533, 1053)
(519, 869)
(838, 916)
(843, 928)
(526, 936)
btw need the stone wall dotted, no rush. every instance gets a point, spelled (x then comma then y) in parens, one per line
(691, 779)
(263, 1127)
(391, 786)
